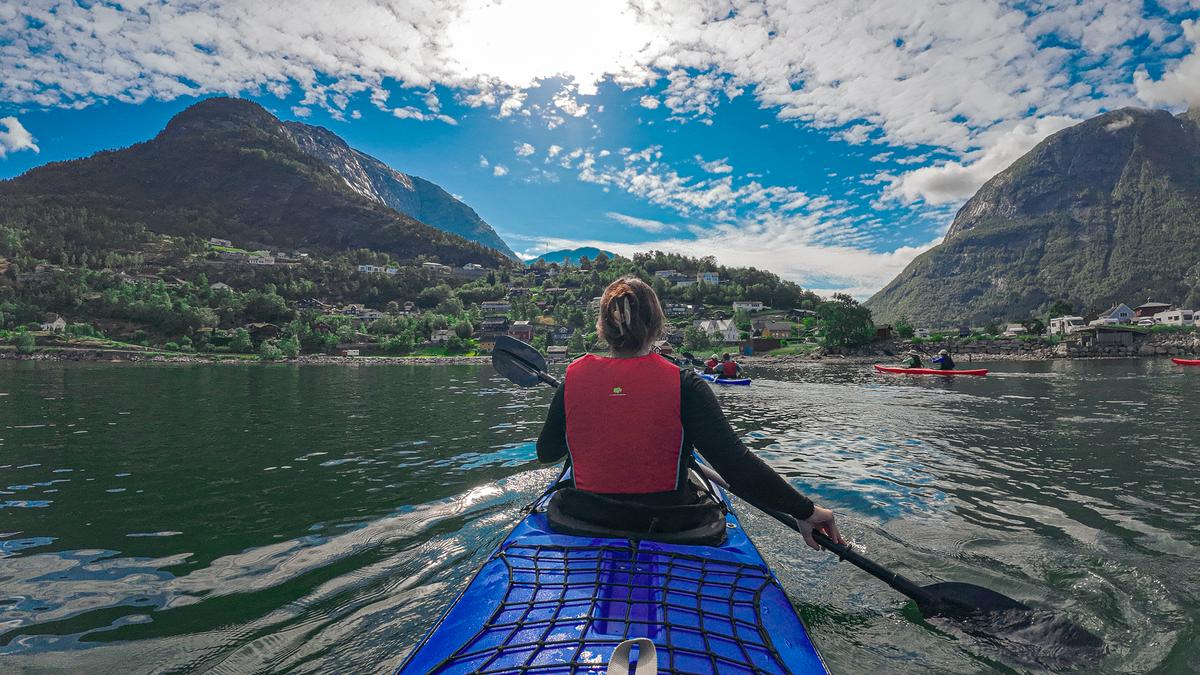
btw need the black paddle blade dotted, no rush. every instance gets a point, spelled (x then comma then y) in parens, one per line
(982, 611)
(517, 361)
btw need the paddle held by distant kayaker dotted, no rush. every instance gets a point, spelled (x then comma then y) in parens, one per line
(629, 423)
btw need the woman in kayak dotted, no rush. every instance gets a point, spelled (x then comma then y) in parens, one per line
(911, 360)
(629, 423)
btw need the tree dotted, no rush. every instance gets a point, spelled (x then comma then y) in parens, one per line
(539, 343)
(904, 329)
(290, 346)
(1034, 326)
(844, 322)
(24, 341)
(1060, 308)
(464, 329)
(267, 351)
(434, 295)
(695, 339)
(576, 343)
(241, 341)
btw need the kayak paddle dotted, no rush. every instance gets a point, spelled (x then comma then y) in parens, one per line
(983, 610)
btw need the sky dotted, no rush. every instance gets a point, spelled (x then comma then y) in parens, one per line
(829, 141)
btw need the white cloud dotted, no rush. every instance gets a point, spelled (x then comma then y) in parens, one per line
(499, 170)
(955, 181)
(715, 166)
(301, 111)
(1180, 84)
(14, 137)
(646, 224)
(566, 102)
(411, 113)
(483, 162)
(553, 150)
(649, 102)
(524, 149)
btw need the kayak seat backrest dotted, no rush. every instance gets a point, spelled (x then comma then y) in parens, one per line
(577, 512)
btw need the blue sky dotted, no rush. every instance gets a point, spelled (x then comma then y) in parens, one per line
(830, 142)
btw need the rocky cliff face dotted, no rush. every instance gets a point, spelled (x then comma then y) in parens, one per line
(1106, 211)
(228, 168)
(410, 195)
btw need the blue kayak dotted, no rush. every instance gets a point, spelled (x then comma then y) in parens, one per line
(743, 381)
(552, 603)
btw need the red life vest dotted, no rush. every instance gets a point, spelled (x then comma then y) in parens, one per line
(729, 368)
(624, 430)
(711, 365)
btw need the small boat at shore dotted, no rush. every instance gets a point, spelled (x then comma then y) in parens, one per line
(928, 371)
(1187, 362)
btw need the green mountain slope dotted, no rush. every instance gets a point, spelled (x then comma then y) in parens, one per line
(1105, 211)
(228, 168)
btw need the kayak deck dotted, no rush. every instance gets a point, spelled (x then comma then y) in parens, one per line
(551, 603)
(742, 381)
(1186, 362)
(929, 371)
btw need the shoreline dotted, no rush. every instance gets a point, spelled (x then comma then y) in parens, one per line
(118, 356)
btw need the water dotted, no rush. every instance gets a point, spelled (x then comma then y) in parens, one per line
(254, 518)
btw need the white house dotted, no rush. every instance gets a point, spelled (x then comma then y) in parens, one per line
(221, 286)
(55, 325)
(370, 268)
(1119, 313)
(440, 336)
(436, 267)
(1176, 317)
(709, 278)
(261, 260)
(1014, 329)
(724, 330)
(747, 306)
(666, 274)
(1065, 325)
(219, 242)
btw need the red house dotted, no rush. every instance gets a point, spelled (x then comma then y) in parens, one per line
(521, 330)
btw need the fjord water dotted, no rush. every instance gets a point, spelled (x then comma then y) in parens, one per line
(318, 518)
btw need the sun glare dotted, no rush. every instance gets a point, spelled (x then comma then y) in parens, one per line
(521, 41)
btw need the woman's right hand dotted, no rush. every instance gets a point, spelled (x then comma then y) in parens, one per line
(822, 520)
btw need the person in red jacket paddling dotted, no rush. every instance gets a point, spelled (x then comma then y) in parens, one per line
(729, 369)
(629, 423)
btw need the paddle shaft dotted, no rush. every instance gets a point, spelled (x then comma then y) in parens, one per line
(897, 581)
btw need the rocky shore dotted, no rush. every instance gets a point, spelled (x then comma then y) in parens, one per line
(129, 356)
(1183, 344)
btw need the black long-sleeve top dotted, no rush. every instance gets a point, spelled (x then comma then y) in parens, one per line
(706, 430)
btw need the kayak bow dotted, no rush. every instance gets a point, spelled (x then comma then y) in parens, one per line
(928, 371)
(554, 603)
(1187, 362)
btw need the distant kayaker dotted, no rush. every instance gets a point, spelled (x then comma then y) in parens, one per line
(629, 424)
(710, 366)
(911, 359)
(943, 360)
(729, 369)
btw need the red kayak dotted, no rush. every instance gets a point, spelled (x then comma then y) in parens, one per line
(928, 371)
(1187, 362)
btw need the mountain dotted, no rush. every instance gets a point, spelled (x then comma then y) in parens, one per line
(571, 256)
(1103, 212)
(228, 168)
(410, 195)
